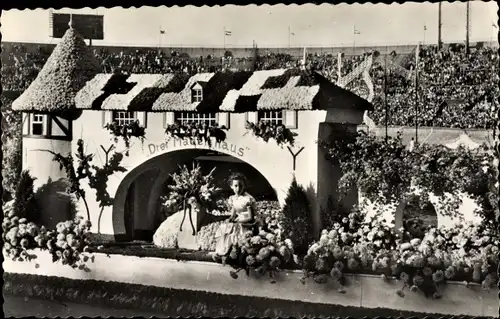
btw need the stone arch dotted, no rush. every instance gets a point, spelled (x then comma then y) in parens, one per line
(160, 166)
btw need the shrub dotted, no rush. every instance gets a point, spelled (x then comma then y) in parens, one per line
(11, 147)
(297, 218)
(25, 203)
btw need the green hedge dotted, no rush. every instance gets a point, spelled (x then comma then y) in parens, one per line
(176, 302)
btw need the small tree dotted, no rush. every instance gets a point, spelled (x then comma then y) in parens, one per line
(25, 205)
(297, 218)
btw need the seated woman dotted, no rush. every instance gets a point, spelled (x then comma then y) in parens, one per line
(243, 210)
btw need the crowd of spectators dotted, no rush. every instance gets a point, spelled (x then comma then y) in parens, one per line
(455, 88)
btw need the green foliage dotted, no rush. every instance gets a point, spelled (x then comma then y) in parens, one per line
(297, 218)
(25, 205)
(387, 172)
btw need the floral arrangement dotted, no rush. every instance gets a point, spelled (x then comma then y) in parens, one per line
(66, 244)
(466, 252)
(349, 246)
(191, 186)
(221, 209)
(463, 252)
(268, 214)
(19, 237)
(197, 132)
(267, 130)
(262, 253)
(270, 217)
(126, 131)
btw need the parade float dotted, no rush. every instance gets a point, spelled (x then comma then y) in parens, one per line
(98, 150)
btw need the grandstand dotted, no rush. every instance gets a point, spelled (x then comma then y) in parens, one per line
(455, 89)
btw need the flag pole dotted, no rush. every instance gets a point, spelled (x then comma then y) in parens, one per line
(289, 32)
(159, 38)
(416, 92)
(385, 99)
(354, 41)
(224, 38)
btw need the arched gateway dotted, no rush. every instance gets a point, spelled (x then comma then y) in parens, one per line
(77, 102)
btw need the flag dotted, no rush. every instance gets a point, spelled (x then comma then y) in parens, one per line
(356, 32)
(292, 33)
(494, 25)
(162, 31)
(425, 28)
(227, 33)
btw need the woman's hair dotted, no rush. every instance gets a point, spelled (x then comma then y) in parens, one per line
(237, 177)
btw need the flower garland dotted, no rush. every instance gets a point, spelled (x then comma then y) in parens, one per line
(126, 131)
(267, 130)
(196, 131)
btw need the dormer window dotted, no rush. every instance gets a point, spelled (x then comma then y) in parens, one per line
(196, 93)
(37, 124)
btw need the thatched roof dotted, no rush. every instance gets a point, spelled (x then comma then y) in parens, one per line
(66, 72)
(236, 92)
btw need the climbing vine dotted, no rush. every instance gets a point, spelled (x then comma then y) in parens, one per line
(267, 130)
(126, 132)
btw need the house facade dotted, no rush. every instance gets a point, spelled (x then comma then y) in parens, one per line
(70, 100)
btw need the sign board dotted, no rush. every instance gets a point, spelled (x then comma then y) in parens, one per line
(88, 26)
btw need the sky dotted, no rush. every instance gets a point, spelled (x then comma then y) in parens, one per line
(311, 25)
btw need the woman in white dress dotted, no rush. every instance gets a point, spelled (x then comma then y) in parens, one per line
(243, 210)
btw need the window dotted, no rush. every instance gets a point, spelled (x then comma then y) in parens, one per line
(209, 118)
(37, 124)
(197, 95)
(123, 117)
(271, 116)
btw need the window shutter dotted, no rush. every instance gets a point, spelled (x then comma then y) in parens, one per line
(143, 118)
(223, 119)
(26, 123)
(107, 117)
(290, 119)
(168, 119)
(252, 117)
(46, 124)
